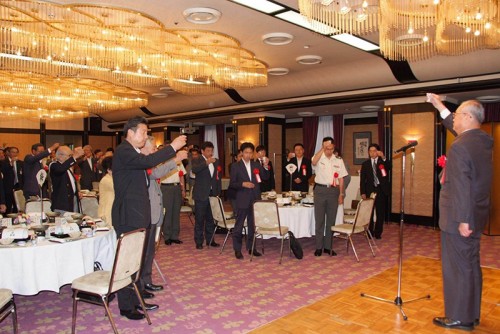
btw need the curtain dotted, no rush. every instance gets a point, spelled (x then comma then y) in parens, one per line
(325, 129)
(492, 112)
(338, 132)
(221, 137)
(211, 136)
(309, 134)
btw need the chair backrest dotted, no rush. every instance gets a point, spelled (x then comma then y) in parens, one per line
(189, 197)
(20, 200)
(95, 186)
(266, 214)
(128, 258)
(90, 206)
(36, 205)
(364, 212)
(217, 211)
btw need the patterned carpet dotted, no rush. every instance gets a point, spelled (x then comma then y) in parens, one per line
(211, 293)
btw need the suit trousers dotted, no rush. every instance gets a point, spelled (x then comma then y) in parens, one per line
(326, 203)
(462, 276)
(172, 202)
(377, 227)
(203, 220)
(127, 298)
(241, 215)
(150, 250)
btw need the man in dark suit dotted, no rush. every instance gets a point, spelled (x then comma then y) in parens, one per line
(64, 189)
(32, 164)
(245, 178)
(88, 169)
(208, 173)
(300, 178)
(269, 184)
(374, 178)
(464, 205)
(131, 207)
(12, 170)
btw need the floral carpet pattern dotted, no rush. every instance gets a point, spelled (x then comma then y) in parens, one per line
(210, 293)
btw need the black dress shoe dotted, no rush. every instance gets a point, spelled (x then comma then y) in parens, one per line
(238, 255)
(328, 252)
(153, 287)
(318, 252)
(168, 242)
(255, 252)
(147, 295)
(148, 307)
(378, 237)
(199, 246)
(213, 244)
(453, 324)
(132, 315)
(476, 322)
(176, 241)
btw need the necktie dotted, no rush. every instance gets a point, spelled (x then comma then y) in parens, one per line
(375, 178)
(14, 165)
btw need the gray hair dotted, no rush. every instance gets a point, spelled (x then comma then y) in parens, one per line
(475, 108)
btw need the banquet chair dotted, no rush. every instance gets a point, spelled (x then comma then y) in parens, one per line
(20, 200)
(8, 306)
(36, 205)
(158, 232)
(95, 186)
(350, 214)
(361, 225)
(188, 207)
(90, 206)
(221, 219)
(267, 223)
(127, 264)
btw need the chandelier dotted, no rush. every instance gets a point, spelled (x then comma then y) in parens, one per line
(114, 48)
(413, 30)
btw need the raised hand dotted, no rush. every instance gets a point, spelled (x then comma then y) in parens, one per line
(179, 142)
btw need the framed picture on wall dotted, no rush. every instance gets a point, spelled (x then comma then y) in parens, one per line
(361, 141)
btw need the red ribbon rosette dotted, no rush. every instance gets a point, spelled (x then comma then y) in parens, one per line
(442, 163)
(335, 179)
(219, 170)
(46, 168)
(149, 171)
(256, 171)
(304, 170)
(382, 170)
(181, 173)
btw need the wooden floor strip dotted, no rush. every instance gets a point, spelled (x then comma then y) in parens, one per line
(347, 312)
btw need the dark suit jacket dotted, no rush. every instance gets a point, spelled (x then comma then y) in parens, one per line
(206, 184)
(465, 194)
(304, 185)
(63, 195)
(245, 196)
(87, 174)
(269, 183)
(9, 175)
(131, 207)
(366, 178)
(31, 166)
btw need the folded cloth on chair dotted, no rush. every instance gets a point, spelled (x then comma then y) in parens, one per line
(295, 246)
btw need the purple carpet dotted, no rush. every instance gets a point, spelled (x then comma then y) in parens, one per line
(211, 293)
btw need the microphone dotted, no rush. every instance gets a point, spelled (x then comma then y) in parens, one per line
(411, 144)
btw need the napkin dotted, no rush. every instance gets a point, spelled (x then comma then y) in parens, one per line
(15, 233)
(70, 228)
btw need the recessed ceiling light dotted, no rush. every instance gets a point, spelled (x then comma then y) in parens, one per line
(488, 98)
(278, 71)
(370, 108)
(305, 113)
(309, 60)
(261, 5)
(159, 95)
(277, 38)
(201, 15)
(356, 42)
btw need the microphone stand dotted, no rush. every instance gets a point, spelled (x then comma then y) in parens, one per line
(398, 301)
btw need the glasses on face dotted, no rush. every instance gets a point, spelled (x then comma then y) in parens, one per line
(459, 113)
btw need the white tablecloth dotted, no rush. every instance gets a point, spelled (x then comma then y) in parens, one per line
(48, 266)
(300, 219)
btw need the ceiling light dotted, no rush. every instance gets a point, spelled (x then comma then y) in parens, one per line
(370, 108)
(488, 98)
(278, 71)
(314, 25)
(159, 95)
(277, 38)
(305, 113)
(265, 6)
(309, 60)
(356, 42)
(201, 15)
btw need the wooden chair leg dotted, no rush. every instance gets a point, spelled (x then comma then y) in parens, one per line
(14, 317)
(75, 305)
(353, 248)
(141, 300)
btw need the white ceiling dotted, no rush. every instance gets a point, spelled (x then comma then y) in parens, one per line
(346, 79)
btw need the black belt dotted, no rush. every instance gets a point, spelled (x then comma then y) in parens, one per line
(323, 185)
(170, 184)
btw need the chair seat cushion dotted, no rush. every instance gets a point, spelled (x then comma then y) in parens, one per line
(272, 231)
(186, 208)
(97, 282)
(347, 229)
(5, 297)
(349, 220)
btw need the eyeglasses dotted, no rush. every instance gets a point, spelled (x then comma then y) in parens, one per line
(460, 113)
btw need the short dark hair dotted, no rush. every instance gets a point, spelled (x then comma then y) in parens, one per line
(246, 145)
(192, 149)
(110, 149)
(97, 150)
(133, 123)
(329, 139)
(298, 144)
(374, 145)
(107, 163)
(207, 144)
(259, 148)
(34, 147)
